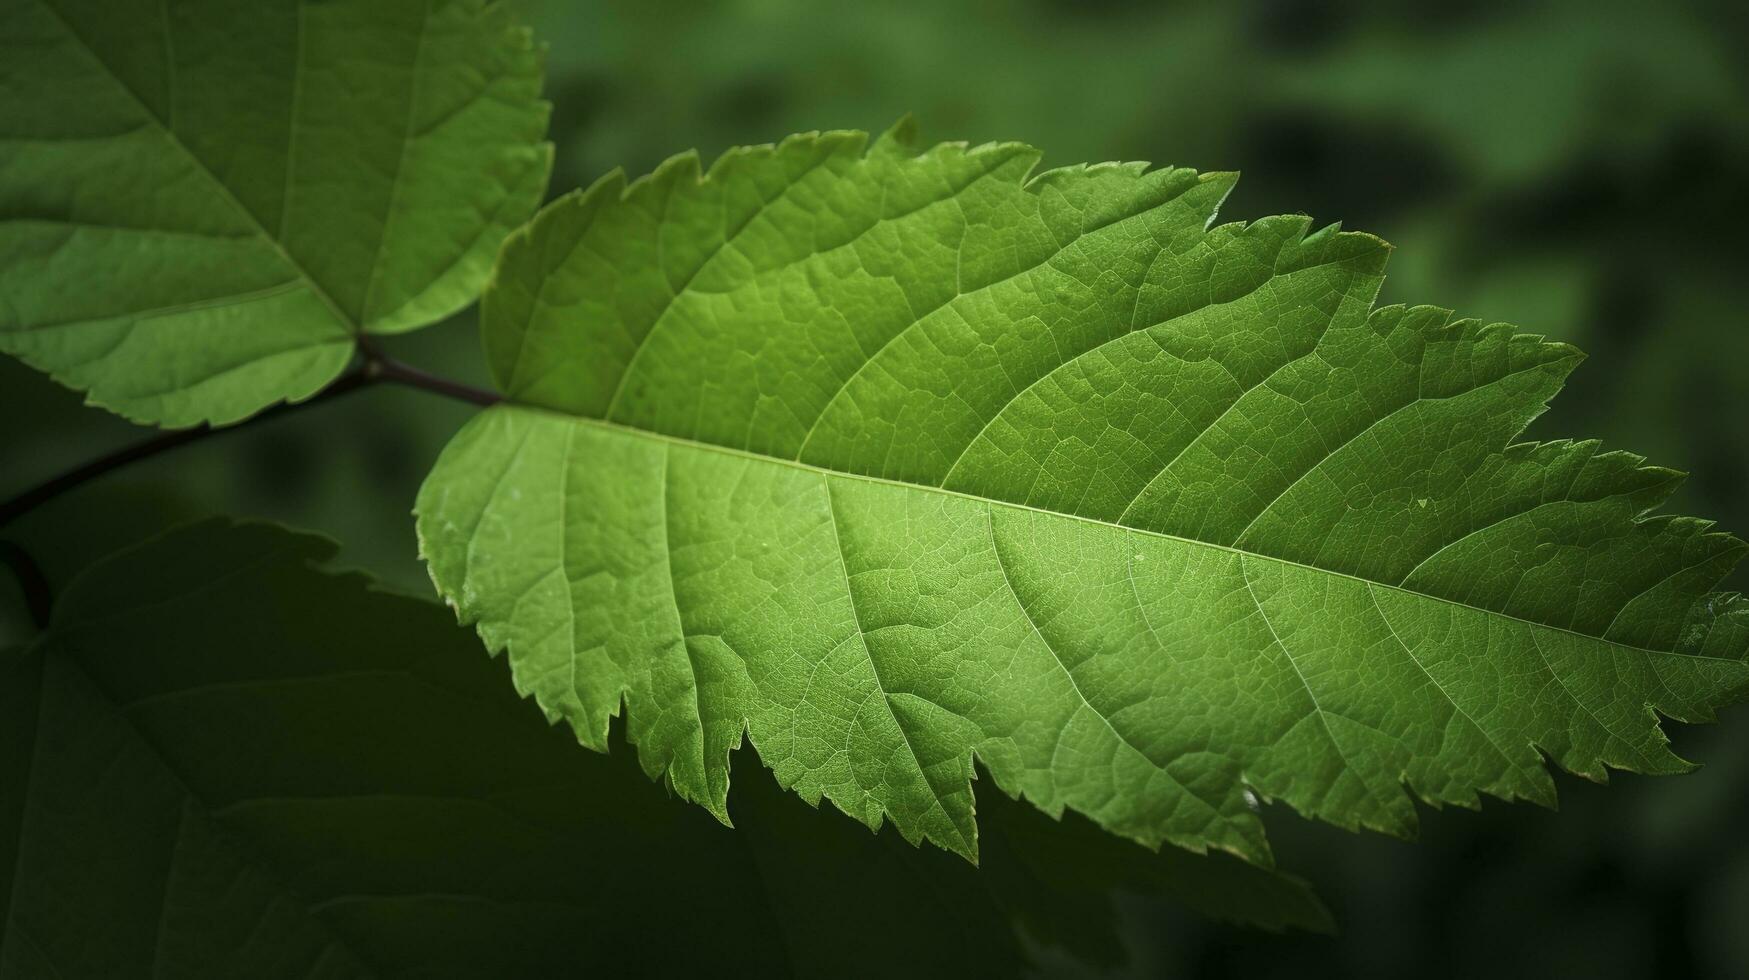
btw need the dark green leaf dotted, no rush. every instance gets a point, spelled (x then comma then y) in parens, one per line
(244, 766)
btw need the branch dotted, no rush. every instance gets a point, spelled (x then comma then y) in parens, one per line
(381, 367)
(375, 369)
(42, 493)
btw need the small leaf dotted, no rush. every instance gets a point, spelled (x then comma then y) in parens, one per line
(224, 762)
(897, 459)
(204, 203)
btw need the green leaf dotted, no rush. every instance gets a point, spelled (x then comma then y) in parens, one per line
(900, 459)
(203, 204)
(225, 762)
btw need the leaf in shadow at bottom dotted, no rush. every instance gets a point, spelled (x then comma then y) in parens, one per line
(223, 761)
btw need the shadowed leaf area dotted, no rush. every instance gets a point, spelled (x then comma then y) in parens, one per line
(893, 459)
(223, 760)
(204, 204)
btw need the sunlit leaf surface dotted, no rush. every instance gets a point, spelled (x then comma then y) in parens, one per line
(893, 459)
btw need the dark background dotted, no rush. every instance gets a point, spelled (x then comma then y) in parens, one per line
(1577, 167)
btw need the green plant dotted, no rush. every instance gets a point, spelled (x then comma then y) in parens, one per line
(886, 458)
(242, 766)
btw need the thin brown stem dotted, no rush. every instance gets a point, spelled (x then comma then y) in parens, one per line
(376, 368)
(381, 367)
(42, 493)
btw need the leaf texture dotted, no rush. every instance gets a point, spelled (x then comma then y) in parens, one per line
(203, 204)
(224, 761)
(895, 459)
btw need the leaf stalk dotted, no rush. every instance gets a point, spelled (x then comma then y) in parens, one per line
(374, 368)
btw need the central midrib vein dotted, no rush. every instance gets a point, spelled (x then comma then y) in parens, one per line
(994, 502)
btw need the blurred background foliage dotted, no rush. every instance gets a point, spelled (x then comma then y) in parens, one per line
(1577, 167)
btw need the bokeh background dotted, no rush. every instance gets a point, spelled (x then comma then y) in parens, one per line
(1577, 167)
